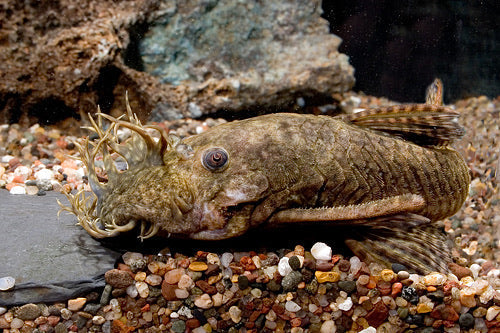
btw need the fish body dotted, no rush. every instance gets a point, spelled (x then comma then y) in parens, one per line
(391, 178)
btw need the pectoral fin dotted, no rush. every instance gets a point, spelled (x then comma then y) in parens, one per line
(356, 214)
(423, 248)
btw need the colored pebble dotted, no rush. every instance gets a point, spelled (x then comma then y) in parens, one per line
(198, 266)
(7, 283)
(323, 277)
(321, 251)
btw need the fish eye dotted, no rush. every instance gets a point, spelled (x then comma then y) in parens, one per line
(215, 159)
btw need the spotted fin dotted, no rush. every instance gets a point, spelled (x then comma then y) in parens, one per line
(423, 124)
(423, 248)
(428, 124)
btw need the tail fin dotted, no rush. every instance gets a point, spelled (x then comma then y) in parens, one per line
(423, 248)
(429, 124)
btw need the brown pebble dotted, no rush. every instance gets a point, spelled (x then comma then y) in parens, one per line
(459, 271)
(192, 323)
(344, 265)
(377, 315)
(323, 265)
(203, 285)
(118, 278)
(168, 291)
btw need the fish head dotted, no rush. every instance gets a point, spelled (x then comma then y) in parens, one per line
(195, 187)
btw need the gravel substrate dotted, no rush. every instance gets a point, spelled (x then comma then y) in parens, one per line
(284, 290)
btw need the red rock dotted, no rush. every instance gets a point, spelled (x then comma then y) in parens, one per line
(203, 285)
(296, 322)
(377, 315)
(4, 324)
(118, 279)
(168, 291)
(384, 287)
(459, 271)
(53, 320)
(444, 312)
(192, 323)
(396, 289)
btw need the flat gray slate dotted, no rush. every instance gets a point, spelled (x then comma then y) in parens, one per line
(52, 259)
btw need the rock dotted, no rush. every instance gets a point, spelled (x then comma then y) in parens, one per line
(466, 320)
(492, 312)
(346, 305)
(291, 281)
(294, 262)
(28, 312)
(292, 306)
(459, 271)
(7, 283)
(235, 314)
(69, 265)
(178, 326)
(377, 315)
(321, 251)
(328, 327)
(272, 53)
(168, 291)
(226, 259)
(204, 301)
(323, 277)
(118, 278)
(203, 285)
(173, 276)
(284, 267)
(198, 266)
(76, 304)
(347, 286)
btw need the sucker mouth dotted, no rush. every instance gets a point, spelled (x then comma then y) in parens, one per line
(141, 150)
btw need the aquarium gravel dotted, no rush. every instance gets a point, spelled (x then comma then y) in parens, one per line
(285, 290)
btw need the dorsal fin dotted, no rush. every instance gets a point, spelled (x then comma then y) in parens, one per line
(430, 124)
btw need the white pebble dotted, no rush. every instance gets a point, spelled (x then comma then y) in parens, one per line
(44, 174)
(369, 329)
(284, 267)
(7, 283)
(313, 307)
(185, 311)
(355, 265)
(475, 268)
(235, 314)
(292, 306)
(142, 288)
(22, 171)
(16, 323)
(199, 330)
(18, 190)
(6, 158)
(328, 327)
(492, 312)
(226, 259)
(434, 279)
(181, 293)
(98, 320)
(131, 257)
(132, 291)
(269, 271)
(2, 310)
(321, 251)
(346, 305)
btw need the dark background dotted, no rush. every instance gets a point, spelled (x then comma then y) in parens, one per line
(398, 47)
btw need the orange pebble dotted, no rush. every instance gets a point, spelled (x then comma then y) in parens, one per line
(396, 289)
(431, 289)
(371, 284)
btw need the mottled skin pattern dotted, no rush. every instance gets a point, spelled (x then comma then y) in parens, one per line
(282, 161)
(362, 170)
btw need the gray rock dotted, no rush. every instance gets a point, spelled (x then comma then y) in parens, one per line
(234, 55)
(51, 259)
(28, 312)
